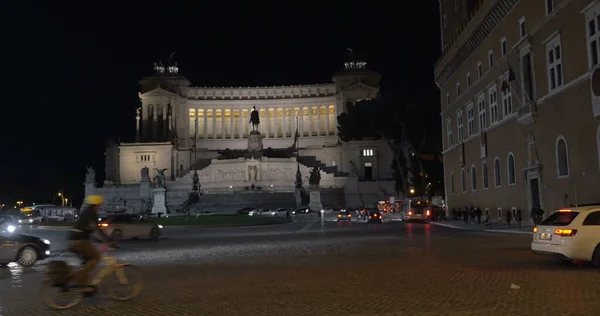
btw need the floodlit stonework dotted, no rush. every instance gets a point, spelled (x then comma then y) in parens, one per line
(187, 129)
(520, 119)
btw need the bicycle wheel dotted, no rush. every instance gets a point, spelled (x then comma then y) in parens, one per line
(51, 295)
(129, 279)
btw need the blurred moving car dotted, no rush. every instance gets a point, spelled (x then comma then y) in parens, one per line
(344, 215)
(245, 210)
(129, 226)
(570, 234)
(278, 212)
(22, 249)
(375, 217)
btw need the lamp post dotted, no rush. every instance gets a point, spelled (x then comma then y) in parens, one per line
(19, 203)
(62, 199)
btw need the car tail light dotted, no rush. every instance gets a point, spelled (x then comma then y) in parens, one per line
(535, 230)
(565, 232)
(428, 213)
(103, 225)
(349, 215)
(339, 215)
(379, 216)
(409, 213)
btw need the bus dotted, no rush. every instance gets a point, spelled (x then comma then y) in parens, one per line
(37, 213)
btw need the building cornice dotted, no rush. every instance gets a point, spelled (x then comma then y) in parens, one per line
(264, 103)
(475, 30)
(259, 93)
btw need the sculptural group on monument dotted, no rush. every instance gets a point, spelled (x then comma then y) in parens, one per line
(159, 178)
(90, 175)
(254, 119)
(315, 177)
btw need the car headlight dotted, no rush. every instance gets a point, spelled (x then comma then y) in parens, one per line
(20, 221)
(46, 241)
(159, 226)
(11, 228)
(31, 220)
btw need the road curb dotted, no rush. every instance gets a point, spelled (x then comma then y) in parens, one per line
(482, 230)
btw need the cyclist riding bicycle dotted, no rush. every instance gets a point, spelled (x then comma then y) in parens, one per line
(80, 243)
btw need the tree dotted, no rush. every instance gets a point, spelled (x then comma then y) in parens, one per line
(403, 124)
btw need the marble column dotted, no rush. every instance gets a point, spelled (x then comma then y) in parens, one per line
(301, 127)
(145, 122)
(231, 129)
(205, 126)
(241, 122)
(223, 125)
(319, 125)
(327, 119)
(164, 122)
(196, 126)
(283, 123)
(214, 124)
(154, 122)
(312, 121)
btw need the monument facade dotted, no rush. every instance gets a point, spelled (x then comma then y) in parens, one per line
(237, 140)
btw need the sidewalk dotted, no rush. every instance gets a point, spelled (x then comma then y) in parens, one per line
(496, 227)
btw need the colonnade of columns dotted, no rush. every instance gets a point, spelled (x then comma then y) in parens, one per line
(227, 123)
(157, 122)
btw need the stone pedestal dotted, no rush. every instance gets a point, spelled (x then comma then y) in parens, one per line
(90, 188)
(255, 141)
(315, 200)
(159, 205)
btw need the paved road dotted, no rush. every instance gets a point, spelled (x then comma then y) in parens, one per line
(335, 269)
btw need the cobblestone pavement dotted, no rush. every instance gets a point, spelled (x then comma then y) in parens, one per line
(413, 269)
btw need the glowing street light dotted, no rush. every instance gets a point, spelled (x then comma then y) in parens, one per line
(412, 191)
(62, 199)
(19, 203)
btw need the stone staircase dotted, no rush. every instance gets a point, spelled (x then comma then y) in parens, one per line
(201, 164)
(312, 161)
(230, 203)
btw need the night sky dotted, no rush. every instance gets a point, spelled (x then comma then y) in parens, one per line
(71, 70)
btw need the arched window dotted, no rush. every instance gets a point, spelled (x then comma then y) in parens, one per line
(452, 182)
(562, 157)
(462, 180)
(473, 178)
(510, 168)
(497, 176)
(486, 179)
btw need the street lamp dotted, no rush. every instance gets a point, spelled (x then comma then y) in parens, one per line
(62, 199)
(412, 191)
(19, 203)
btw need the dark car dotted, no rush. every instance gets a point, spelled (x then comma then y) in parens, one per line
(344, 215)
(245, 210)
(375, 217)
(23, 249)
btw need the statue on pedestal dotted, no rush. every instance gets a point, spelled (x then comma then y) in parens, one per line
(159, 179)
(90, 176)
(254, 119)
(145, 173)
(315, 177)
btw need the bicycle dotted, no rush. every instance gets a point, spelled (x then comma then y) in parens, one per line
(60, 276)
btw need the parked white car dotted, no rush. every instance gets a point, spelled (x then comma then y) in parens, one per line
(570, 234)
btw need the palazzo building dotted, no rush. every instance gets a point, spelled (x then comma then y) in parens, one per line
(186, 129)
(520, 109)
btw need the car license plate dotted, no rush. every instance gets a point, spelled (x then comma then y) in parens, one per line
(545, 236)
